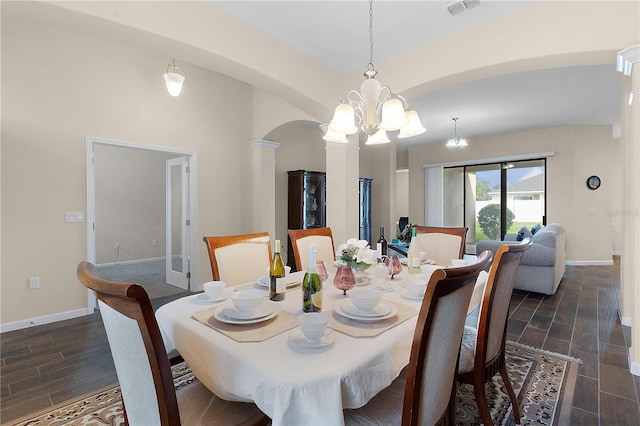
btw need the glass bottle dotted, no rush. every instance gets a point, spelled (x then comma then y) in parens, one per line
(312, 285)
(413, 255)
(276, 271)
(382, 244)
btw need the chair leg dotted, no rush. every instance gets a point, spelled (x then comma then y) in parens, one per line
(481, 400)
(512, 394)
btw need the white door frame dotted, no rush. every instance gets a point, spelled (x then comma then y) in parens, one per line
(177, 278)
(192, 158)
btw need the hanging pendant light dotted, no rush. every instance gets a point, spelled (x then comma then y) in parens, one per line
(377, 138)
(375, 107)
(174, 79)
(456, 140)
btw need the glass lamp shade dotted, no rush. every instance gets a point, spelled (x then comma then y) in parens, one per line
(393, 115)
(174, 81)
(332, 136)
(462, 142)
(343, 120)
(451, 143)
(414, 126)
(377, 138)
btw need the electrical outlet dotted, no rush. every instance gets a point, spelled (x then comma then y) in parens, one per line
(34, 282)
(117, 246)
(154, 242)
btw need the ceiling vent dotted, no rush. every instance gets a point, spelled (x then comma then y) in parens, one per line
(462, 6)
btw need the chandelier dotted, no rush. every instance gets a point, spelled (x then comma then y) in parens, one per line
(456, 140)
(374, 110)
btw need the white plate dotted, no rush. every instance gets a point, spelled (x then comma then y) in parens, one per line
(338, 309)
(405, 293)
(380, 310)
(297, 338)
(220, 315)
(289, 280)
(405, 261)
(363, 280)
(204, 299)
(262, 310)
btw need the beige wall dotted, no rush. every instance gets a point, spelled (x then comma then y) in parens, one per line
(59, 87)
(129, 203)
(580, 151)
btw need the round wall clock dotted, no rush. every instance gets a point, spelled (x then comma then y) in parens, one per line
(593, 182)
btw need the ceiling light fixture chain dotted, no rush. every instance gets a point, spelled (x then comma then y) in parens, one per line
(374, 110)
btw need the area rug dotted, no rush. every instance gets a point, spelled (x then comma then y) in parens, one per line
(543, 381)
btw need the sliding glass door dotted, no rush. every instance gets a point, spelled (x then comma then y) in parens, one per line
(494, 199)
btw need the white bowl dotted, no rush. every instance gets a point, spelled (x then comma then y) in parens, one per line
(416, 288)
(365, 299)
(458, 262)
(247, 301)
(287, 271)
(214, 289)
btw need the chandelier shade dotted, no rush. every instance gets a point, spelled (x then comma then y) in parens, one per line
(174, 78)
(375, 108)
(332, 136)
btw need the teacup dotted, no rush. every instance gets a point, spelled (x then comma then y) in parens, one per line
(427, 270)
(416, 288)
(214, 289)
(458, 262)
(314, 325)
(247, 301)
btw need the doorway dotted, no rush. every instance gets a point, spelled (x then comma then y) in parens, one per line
(139, 223)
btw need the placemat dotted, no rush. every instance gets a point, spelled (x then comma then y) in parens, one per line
(355, 328)
(242, 333)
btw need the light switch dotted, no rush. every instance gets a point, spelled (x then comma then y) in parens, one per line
(74, 217)
(34, 282)
(591, 210)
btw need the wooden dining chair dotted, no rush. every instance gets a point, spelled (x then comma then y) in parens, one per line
(238, 259)
(142, 365)
(441, 244)
(321, 237)
(424, 394)
(482, 352)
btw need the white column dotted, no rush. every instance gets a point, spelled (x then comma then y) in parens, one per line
(264, 186)
(342, 170)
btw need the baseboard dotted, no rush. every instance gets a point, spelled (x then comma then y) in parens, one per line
(589, 262)
(47, 319)
(626, 321)
(634, 367)
(130, 262)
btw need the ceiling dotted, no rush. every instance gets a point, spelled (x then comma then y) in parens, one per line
(336, 33)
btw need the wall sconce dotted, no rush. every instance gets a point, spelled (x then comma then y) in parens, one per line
(174, 78)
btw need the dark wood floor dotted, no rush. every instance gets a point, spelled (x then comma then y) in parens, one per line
(46, 365)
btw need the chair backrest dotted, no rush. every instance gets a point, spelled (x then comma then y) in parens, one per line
(321, 237)
(494, 308)
(441, 244)
(238, 259)
(436, 342)
(139, 355)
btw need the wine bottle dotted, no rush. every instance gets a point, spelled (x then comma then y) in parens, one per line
(276, 270)
(413, 255)
(382, 244)
(312, 285)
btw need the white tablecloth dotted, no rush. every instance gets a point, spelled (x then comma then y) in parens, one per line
(292, 385)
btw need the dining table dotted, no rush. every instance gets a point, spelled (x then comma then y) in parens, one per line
(268, 362)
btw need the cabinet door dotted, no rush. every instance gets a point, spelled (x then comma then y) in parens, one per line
(313, 201)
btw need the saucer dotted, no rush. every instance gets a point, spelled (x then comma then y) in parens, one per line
(380, 310)
(204, 299)
(221, 314)
(290, 280)
(405, 261)
(297, 338)
(363, 280)
(405, 293)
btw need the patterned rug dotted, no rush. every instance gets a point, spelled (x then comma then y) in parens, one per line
(543, 381)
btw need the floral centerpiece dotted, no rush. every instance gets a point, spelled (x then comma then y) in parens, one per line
(357, 254)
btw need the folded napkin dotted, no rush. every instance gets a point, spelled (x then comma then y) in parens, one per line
(355, 328)
(257, 332)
